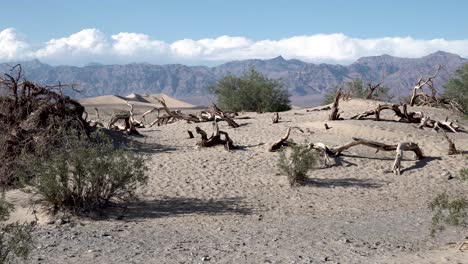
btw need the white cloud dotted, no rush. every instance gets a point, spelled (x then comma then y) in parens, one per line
(11, 47)
(91, 45)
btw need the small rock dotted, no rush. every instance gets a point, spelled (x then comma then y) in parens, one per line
(206, 258)
(326, 258)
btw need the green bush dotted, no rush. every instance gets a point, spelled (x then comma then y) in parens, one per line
(15, 238)
(86, 174)
(251, 92)
(296, 166)
(457, 88)
(448, 211)
(356, 89)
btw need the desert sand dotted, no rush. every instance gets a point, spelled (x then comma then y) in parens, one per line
(213, 206)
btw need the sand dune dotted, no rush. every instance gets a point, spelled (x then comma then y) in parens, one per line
(138, 100)
(236, 207)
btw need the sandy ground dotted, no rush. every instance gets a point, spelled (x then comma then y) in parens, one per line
(213, 206)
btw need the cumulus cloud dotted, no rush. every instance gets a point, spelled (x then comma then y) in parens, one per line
(91, 45)
(11, 46)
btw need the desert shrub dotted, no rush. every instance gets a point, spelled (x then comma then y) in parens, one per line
(296, 166)
(448, 211)
(15, 238)
(457, 88)
(463, 174)
(251, 92)
(86, 174)
(355, 88)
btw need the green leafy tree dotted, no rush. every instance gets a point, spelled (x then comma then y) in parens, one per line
(251, 92)
(457, 88)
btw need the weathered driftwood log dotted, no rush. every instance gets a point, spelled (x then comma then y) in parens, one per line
(325, 108)
(327, 151)
(335, 115)
(190, 134)
(143, 116)
(284, 142)
(172, 116)
(220, 115)
(132, 119)
(215, 138)
(275, 118)
(125, 124)
(411, 117)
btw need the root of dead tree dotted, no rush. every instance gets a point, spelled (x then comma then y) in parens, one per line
(275, 118)
(335, 115)
(283, 141)
(217, 138)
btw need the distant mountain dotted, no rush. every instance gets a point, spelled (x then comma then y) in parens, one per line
(181, 81)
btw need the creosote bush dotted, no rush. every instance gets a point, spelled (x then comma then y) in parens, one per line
(251, 92)
(457, 88)
(300, 161)
(448, 211)
(15, 239)
(86, 174)
(357, 90)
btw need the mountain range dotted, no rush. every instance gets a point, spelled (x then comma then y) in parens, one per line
(181, 81)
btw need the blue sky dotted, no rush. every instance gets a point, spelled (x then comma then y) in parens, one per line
(249, 29)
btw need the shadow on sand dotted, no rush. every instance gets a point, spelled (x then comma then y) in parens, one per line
(174, 206)
(346, 182)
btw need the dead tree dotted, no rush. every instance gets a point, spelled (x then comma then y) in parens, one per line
(212, 114)
(283, 142)
(220, 115)
(275, 118)
(335, 115)
(411, 117)
(399, 148)
(372, 88)
(33, 116)
(135, 122)
(215, 139)
(422, 98)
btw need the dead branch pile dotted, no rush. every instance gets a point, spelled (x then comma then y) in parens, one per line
(32, 116)
(411, 117)
(212, 114)
(215, 139)
(128, 122)
(422, 97)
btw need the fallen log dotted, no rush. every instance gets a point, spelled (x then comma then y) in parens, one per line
(327, 151)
